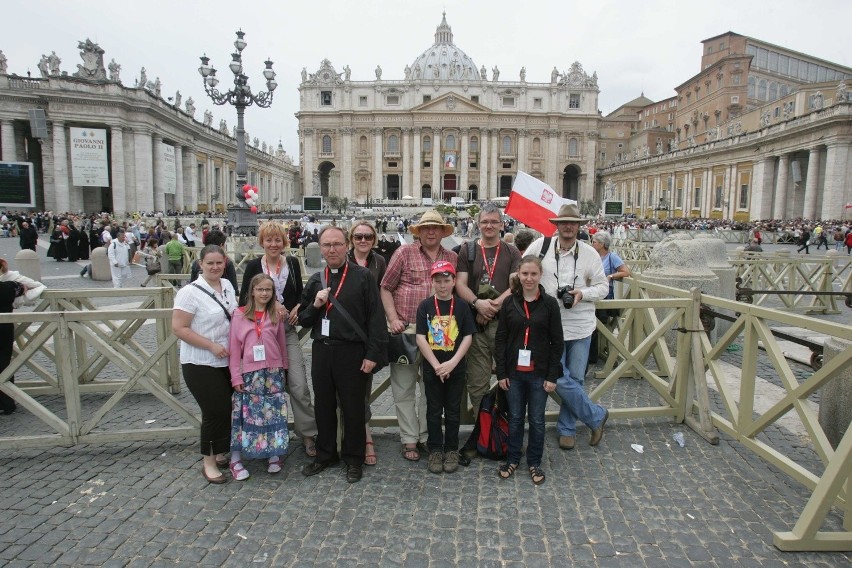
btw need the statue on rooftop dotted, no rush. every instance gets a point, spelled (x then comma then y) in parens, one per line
(190, 107)
(114, 71)
(54, 61)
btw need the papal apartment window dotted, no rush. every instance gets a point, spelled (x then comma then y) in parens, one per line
(507, 145)
(537, 103)
(325, 98)
(508, 101)
(573, 101)
(393, 99)
(393, 144)
(450, 142)
(362, 101)
(427, 144)
(474, 98)
(474, 144)
(427, 98)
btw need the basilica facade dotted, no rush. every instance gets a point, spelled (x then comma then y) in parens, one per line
(96, 144)
(446, 129)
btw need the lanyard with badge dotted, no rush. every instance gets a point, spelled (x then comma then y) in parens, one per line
(486, 290)
(259, 351)
(525, 355)
(326, 323)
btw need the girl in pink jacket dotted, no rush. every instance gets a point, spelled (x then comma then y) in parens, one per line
(258, 364)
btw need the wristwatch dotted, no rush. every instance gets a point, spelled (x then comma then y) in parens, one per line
(473, 304)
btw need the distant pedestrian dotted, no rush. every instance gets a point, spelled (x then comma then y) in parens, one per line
(119, 259)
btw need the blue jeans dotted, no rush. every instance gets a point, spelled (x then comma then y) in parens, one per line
(526, 396)
(576, 404)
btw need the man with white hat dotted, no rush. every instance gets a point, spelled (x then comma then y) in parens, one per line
(406, 283)
(572, 271)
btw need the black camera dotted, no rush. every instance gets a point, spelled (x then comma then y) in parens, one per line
(567, 299)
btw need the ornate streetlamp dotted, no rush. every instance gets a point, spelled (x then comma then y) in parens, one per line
(241, 97)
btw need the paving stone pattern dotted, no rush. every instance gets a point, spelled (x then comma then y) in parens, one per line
(146, 503)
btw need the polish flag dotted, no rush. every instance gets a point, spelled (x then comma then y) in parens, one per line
(533, 202)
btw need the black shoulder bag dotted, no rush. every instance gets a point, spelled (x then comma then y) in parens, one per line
(215, 299)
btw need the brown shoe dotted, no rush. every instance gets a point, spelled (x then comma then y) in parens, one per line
(566, 442)
(597, 433)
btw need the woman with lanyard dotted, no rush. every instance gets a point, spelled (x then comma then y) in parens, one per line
(362, 239)
(201, 320)
(287, 276)
(528, 351)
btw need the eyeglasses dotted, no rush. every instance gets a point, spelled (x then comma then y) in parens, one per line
(362, 237)
(328, 246)
(491, 222)
(264, 290)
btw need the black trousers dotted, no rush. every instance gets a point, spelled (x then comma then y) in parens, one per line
(7, 341)
(336, 375)
(211, 387)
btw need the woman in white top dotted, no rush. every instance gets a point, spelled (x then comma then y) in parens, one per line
(201, 320)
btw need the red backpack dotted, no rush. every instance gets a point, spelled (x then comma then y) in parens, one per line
(492, 425)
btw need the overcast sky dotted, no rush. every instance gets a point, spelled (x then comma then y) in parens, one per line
(649, 46)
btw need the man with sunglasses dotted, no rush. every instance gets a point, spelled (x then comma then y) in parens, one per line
(573, 272)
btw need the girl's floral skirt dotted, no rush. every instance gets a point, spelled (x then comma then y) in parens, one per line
(259, 415)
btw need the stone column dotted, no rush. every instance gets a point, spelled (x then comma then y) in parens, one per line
(779, 210)
(144, 187)
(119, 192)
(836, 193)
(482, 162)
(159, 173)
(812, 184)
(346, 162)
(494, 190)
(7, 141)
(709, 192)
(378, 173)
(733, 197)
(179, 202)
(763, 175)
(417, 165)
(464, 165)
(522, 150)
(437, 165)
(308, 169)
(191, 191)
(405, 186)
(62, 189)
(129, 169)
(552, 173)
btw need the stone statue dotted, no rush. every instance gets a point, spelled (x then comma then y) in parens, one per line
(208, 118)
(178, 98)
(234, 131)
(263, 147)
(765, 119)
(378, 73)
(554, 75)
(223, 126)
(158, 87)
(43, 67)
(660, 147)
(246, 136)
(495, 74)
(114, 71)
(3, 65)
(817, 101)
(93, 61)
(789, 108)
(347, 72)
(417, 72)
(465, 72)
(407, 72)
(256, 142)
(841, 96)
(672, 144)
(304, 74)
(523, 74)
(54, 61)
(483, 72)
(190, 107)
(593, 82)
(143, 78)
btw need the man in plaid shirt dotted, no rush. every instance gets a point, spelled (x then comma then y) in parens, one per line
(406, 283)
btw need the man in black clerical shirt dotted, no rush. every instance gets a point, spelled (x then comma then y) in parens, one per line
(341, 306)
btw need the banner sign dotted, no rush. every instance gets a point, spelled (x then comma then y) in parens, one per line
(169, 172)
(89, 165)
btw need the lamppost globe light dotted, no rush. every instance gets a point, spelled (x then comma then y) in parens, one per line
(204, 70)
(236, 63)
(268, 73)
(240, 43)
(271, 84)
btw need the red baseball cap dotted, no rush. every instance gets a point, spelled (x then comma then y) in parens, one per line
(444, 268)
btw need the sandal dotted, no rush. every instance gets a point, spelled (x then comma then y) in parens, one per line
(370, 457)
(274, 464)
(239, 471)
(537, 475)
(507, 470)
(310, 447)
(411, 454)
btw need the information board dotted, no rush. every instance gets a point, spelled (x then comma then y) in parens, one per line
(613, 208)
(313, 203)
(17, 184)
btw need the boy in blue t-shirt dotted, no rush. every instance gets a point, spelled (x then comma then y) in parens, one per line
(444, 328)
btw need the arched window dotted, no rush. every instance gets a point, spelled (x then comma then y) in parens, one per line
(474, 144)
(362, 145)
(450, 142)
(427, 144)
(426, 191)
(507, 145)
(573, 147)
(536, 146)
(773, 91)
(752, 87)
(326, 144)
(785, 90)
(393, 144)
(761, 90)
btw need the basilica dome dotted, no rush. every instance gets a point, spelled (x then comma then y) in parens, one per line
(443, 61)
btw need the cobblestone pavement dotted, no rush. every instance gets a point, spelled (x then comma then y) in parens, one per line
(146, 504)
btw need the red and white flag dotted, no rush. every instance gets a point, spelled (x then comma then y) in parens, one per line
(849, 206)
(533, 202)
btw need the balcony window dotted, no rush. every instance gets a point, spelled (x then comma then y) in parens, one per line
(326, 144)
(507, 146)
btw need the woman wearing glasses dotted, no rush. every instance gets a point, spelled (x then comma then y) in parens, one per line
(287, 276)
(362, 239)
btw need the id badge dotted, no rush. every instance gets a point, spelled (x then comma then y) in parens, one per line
(524, 356)
(326, 327)
(259, 353)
